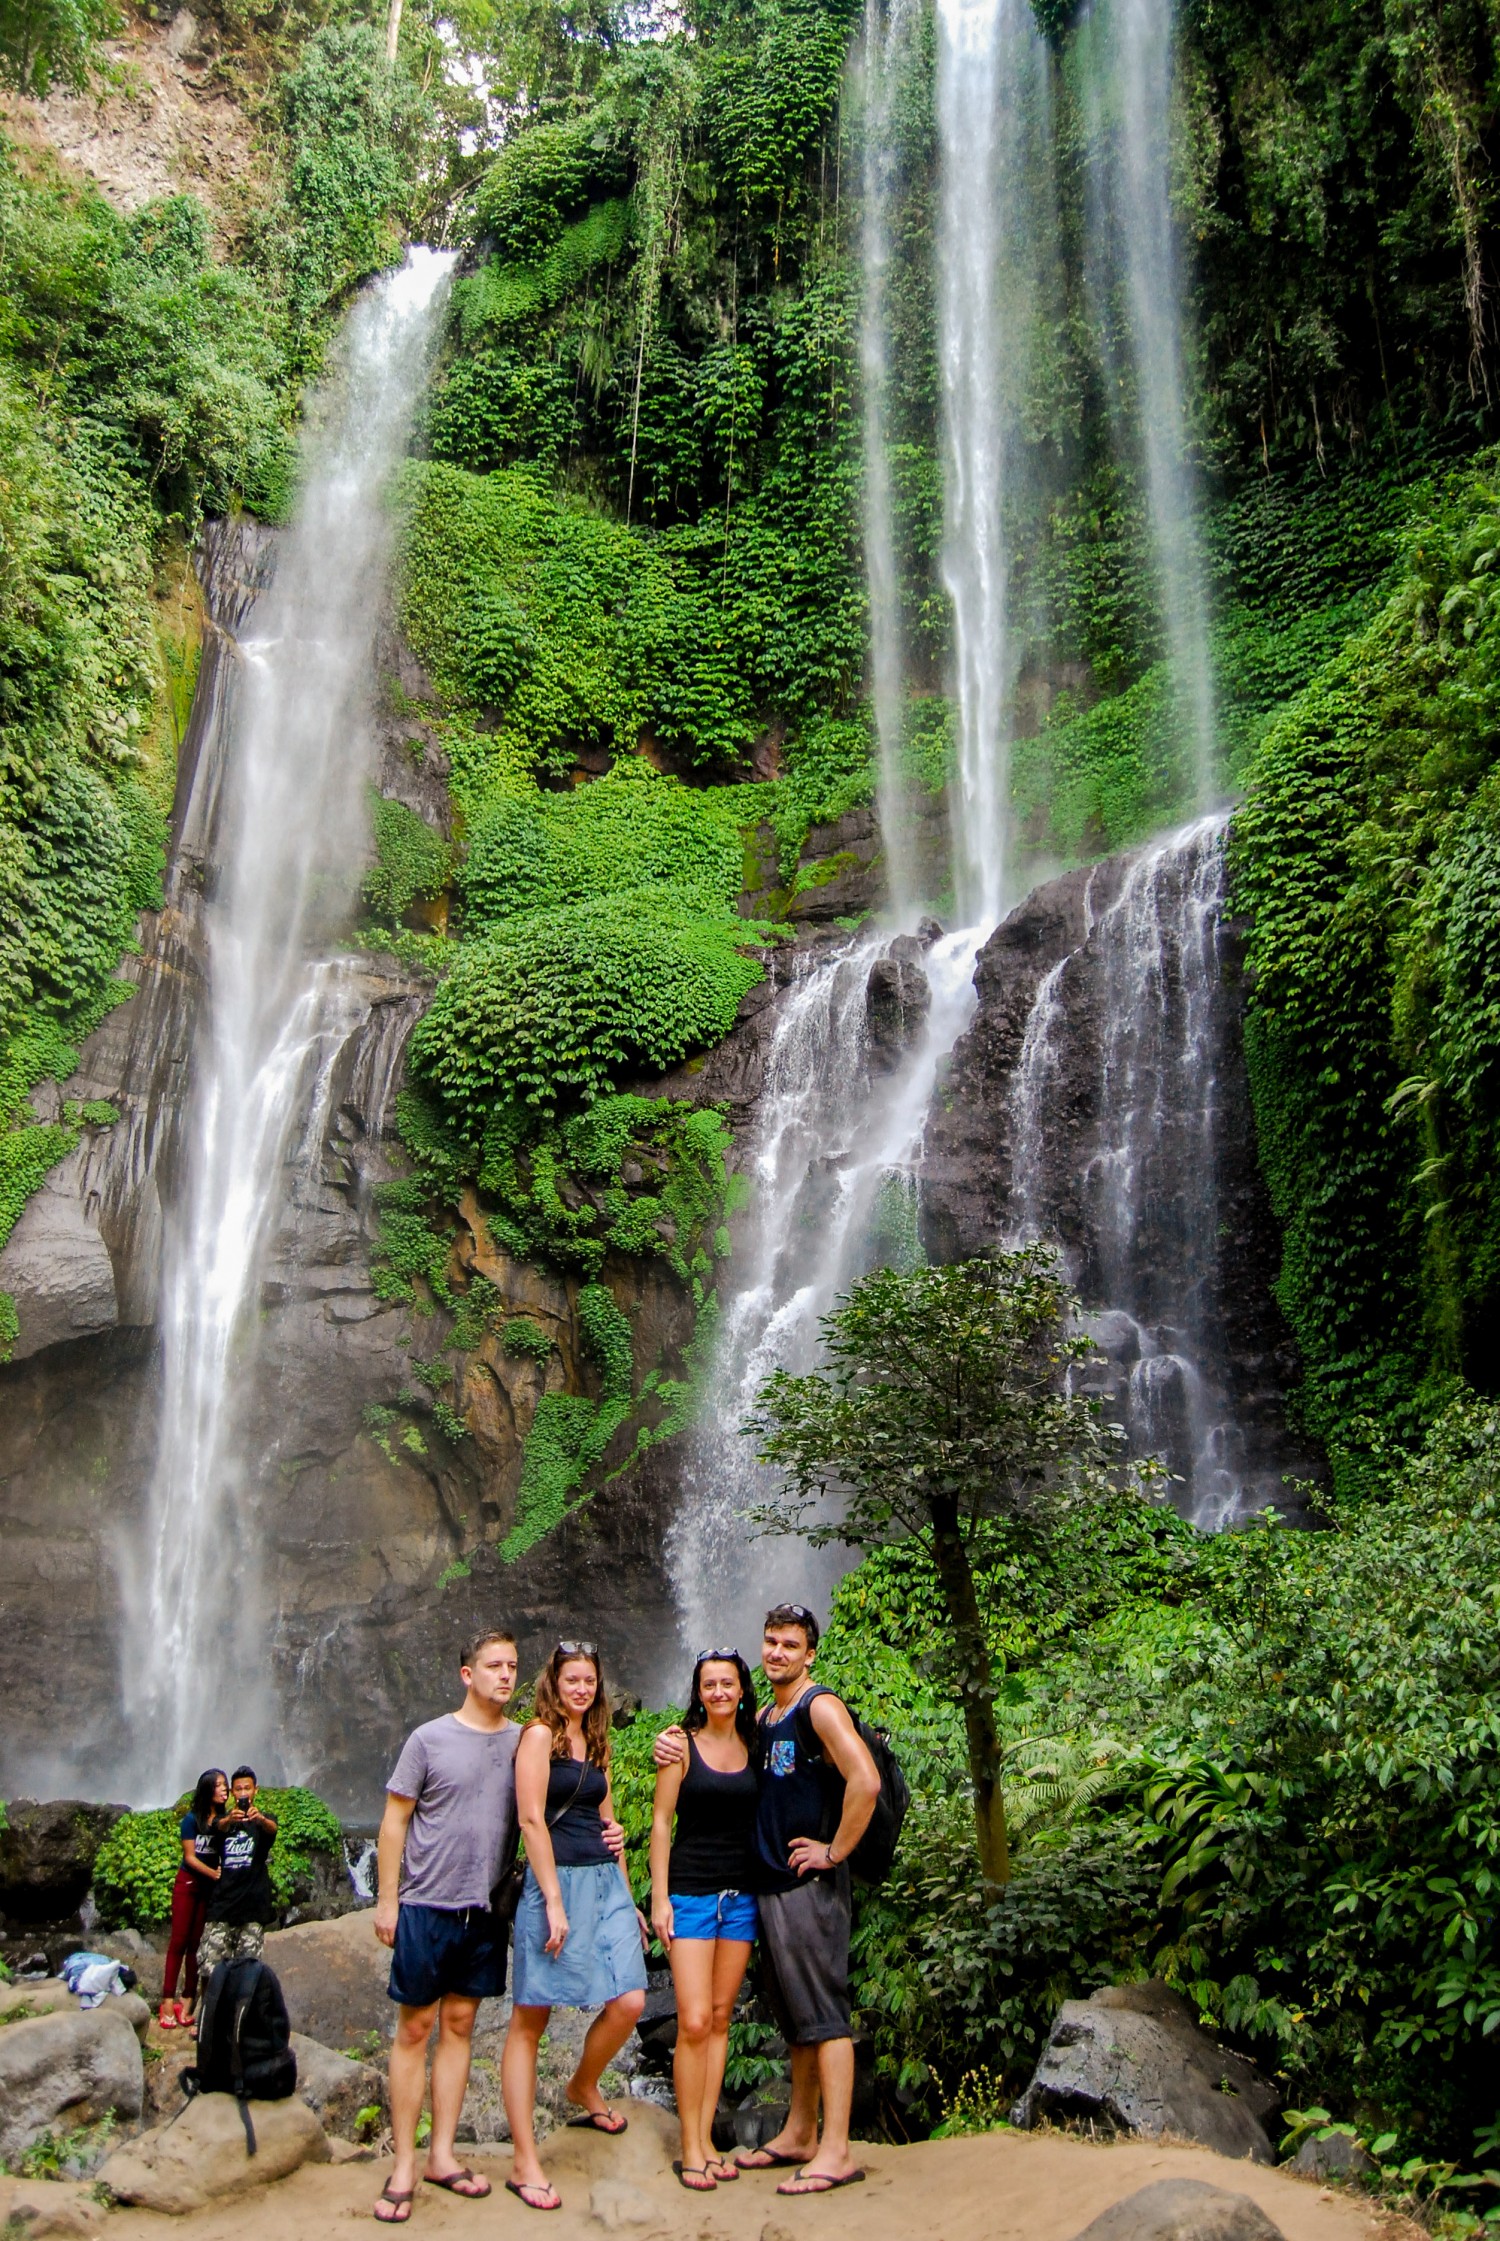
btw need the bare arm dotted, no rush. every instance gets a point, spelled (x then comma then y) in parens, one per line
(191, 1860)
(390, 1845)
(841, 1743)
(533, 1766)
(663, 1807)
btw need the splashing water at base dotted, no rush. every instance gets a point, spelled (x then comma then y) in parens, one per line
(288, 835)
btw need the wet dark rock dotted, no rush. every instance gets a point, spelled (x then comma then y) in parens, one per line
(897, 1001)
(1132, 2060)
(47, 1853)
(1182, 2210)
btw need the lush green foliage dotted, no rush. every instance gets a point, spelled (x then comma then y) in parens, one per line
(1365, 858)
(139, 1858)
(44, 40)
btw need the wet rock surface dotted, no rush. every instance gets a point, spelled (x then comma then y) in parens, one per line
(47, 1852)
(1132, 2060)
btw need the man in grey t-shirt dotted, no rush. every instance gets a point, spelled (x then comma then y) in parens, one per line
(448, 1829)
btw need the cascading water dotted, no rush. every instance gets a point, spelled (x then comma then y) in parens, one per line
(1127, 48)
(882, 51)
(286, 825)
(850, 1076)
(991, 114)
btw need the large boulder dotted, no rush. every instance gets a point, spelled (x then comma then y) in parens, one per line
(1182, 2210)
(74, 2068)
(1133, 2060)
(335, 2088)
(47, 1854)
(51, 2210)
(203, 2155)
(334, 1977)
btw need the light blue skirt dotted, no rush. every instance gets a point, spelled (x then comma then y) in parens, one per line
(603, 1955)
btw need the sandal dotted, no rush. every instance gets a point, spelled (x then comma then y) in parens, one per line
(167, 2018)
(469, 2186)
(184, 2015)
(608, 2121)
(818, 2182)
(534, 2186)
(771, 2161)
(723, 2169)
(688, 2172)
(400, 2206)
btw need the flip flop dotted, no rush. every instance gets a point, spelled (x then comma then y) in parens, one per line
(772, 2161)
(608, 2121)
(724, 2170)
(686, 2173)
(167, 2018)
(535, 2186)
(818, 2182)
(400, 2207)
(475, 2191)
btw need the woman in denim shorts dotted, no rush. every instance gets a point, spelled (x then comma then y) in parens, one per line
(702, 1907)
(579, 1941)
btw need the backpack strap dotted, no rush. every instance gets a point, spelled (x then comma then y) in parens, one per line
(250, 1981)
(807, 1734)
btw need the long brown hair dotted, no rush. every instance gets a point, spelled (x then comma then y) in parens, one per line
(549, 1709)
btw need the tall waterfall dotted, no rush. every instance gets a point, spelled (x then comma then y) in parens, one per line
(1127, 50)
(287, 826)
(992, 117)
(882, 51)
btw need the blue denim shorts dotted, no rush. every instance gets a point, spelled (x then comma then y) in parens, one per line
(443, 1949)
(715, 1914)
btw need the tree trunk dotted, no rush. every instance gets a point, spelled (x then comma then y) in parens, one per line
(392, 32)
(972, 1656)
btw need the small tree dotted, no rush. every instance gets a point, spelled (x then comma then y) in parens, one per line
(944, 1404)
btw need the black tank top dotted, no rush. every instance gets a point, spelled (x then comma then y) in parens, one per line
(797, 1789)
(573, 1821)
(713, 1848)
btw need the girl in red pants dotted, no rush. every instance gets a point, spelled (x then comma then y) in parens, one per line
(200, 1834)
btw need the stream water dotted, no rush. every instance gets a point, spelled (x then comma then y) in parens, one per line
(286, 812)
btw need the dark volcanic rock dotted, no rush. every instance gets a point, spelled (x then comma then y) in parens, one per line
(47, 1855)
(1133, 2060)
(1182, 2210)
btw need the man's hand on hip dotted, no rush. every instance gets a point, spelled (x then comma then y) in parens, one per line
(614, 1837)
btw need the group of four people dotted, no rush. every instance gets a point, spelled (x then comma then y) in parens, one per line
(754, 1820)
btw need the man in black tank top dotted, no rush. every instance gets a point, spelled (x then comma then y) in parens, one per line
(817, 1775)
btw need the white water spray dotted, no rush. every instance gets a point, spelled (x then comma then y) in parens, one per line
(882, 53)
(1128, 80)
(288, 832)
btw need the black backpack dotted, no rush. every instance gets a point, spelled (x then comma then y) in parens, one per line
(244, 2040)
(874, 1855)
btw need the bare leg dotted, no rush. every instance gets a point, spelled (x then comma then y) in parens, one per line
(608, 2032)
(692, 1978)
(834, 2060)
(731, 1958)
(408, 2091)
(797, 2141)
(518, 2087)
(450, 2078)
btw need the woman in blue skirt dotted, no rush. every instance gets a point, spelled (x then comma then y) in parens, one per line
(579, 1940)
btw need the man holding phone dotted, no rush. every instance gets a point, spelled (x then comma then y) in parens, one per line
(241, 1903)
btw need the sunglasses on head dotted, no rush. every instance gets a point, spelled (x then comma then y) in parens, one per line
(797, 1614)
(576, 1649)
(705, 1655)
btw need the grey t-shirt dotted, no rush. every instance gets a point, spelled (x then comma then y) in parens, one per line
(464, 1782)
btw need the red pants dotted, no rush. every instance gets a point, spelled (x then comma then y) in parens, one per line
(189, 1912)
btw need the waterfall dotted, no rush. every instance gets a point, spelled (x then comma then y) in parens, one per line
(850, 1075)
(992, 118)
(285, 811)
(1117, 1131)
(882, 50)
(1127, 53)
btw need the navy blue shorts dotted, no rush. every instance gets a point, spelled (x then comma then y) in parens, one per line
(440, 1949)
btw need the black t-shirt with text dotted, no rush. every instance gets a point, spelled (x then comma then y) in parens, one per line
(243, 1892)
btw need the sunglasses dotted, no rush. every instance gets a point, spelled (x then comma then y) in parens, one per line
(704, 1655)
(798, 1613)
(576, 1649)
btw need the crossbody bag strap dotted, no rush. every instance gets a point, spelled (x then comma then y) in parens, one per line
(551, 1820)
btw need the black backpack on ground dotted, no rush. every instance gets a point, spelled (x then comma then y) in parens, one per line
(244, 2040)
(874, 1855)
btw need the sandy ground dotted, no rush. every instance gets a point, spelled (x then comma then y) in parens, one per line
(997, 2187)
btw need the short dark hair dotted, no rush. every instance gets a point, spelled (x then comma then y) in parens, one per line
(244, 1774)
(480, 1642)
(793, 1614)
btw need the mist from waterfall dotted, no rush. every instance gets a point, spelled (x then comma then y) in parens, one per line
(993, 122)
(1126, 50)
(287, 835)
(882, 52)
